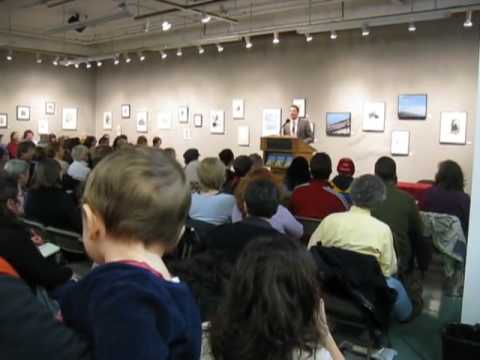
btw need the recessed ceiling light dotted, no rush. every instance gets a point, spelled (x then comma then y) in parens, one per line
(248, 43)
(333, 35)
(116, 60)
(219, 48)
(276, 40)
(365, 30)
(39, 59)
(468, 20)
(128, 59)
(201, 50)
(206, 18)
(179, 52)
(99, 63)
(77, 65)
(412, 27)
(308, 37)
(88, 65)
(166, 26)
(163, 54)
(141, 56)
(55, 61)
(9, 56)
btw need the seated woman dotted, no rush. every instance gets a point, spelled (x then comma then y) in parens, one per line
(357, 230)
(20, 171)
(282, 221)
(48, 203)
(273, 308)
(298, 173)
(79, 169)
(16, 244)
(57, 152)
(210, 205)
(447, 196)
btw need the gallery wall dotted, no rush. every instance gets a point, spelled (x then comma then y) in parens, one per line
(23, 82)
(440, 59)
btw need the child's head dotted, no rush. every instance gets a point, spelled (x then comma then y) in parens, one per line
(135, 195)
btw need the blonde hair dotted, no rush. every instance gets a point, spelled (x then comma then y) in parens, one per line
(140, 194)
(211, 173)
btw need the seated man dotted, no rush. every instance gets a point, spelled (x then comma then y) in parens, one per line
(342, 182)
(358, 231)
(79, 169)
(317, 199)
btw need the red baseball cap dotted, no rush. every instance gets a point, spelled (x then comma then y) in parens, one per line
(346, 167)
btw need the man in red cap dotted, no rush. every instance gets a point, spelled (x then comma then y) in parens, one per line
(342, 182)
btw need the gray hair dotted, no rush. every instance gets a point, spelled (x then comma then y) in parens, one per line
(78, 152)
(16, 167)
(368, 191)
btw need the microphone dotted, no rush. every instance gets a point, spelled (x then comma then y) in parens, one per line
(285, 124)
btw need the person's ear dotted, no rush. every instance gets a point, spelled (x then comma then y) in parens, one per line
(12, 206)
(94, 223)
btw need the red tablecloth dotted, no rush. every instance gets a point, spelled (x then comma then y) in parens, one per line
(415, 189)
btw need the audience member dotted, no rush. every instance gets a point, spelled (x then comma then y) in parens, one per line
(79, 169)
(342, 182)
(142, 141)
(357, 230)
(257, 161)
(56, 151)
(48, 203)
(447, 196)
(28, 135)
(171, 153)
(12, 146)
(210, 205)
(226, 156)
(52, 139)
(190, 158)
(157, 142)
(317, 199)
(3, 156)
(129, 306)
(241, 166)
(20, 171)
(273, 308)
(298, 173)
(98, 153)
(282, 221)
(26, 151)
(40, 154)
(104, 140)
(119, 142)
(16, 245)
(90, 142)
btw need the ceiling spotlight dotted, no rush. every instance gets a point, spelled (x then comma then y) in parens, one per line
(206, 18)
(128, 59)
(67, 62)
(333, 35)
(116, 60)
(468, 20)
(201, 50)
(55, 61)
(9, 56)
(166, 26)
(276, 40)
(77, 65)
(219, 48)
(308, 37)
(365, 30)
(99, 63)
(248, 43)
(141, 56)
(88, 65)
(164, 54)
(179, 52)
(39, 59)
(412, 27)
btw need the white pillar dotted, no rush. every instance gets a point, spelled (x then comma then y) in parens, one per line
(471, 294)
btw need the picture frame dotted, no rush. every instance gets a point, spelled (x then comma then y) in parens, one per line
(413, 106)
(187, 133)
(300, 102)
(271, 122)
(338, 124)
(217, 122)
(243, 136)
(374, 117)
(107, 120)
(164, 121)
(183, 114)
(198, 120)
(125, 111)
(400, 145)
(50, 108)
(23, 113)
(3, 120)
(69, 118)
(142, 121)
(238, 109)
(453, 128)
(43, 127)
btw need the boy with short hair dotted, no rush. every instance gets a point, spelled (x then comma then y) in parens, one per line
(130, 307)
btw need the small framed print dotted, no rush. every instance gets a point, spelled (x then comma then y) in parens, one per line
(69, 119)
(374, 117)
(125, 111)
(107, 121)
(243, 136)
(23, 112)
(198, 120)
(49, 108)
(164, 121)
(400, 143)
(183, 114)
(142, 122)
(238, 109)
(3, 120)
(43, 127)
(301, 106)
(453, 128)
(217, 122)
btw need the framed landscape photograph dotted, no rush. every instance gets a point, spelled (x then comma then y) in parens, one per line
(164, 120)
(301, 105)
(69, 118)
(374, 117)
(183, 114)
(125, 109)
(107, 120)
(339, 124)
(142, 122)
(238, 109)
(3, 120)
(400, 143)
(271, 122)
(23, 112)
(412, 107)
(217, 122)
(198, 120)
(453, 128)
(49, 108)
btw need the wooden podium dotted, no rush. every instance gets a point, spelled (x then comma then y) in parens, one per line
(279, 151)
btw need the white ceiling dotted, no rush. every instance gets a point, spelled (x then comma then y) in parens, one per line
(117, 26)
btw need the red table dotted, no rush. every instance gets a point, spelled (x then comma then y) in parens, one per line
(415, 189)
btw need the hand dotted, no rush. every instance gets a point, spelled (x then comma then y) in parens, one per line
(322, 319)
(37, 239)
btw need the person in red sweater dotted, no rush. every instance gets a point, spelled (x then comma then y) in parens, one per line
(12, 146)
(317, 199)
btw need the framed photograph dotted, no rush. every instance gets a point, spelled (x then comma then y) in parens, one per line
(400, 143)
(339, 124)
(107, 121)
(183, 114)
(187, 134)
(3, 120)
(164, 121)
(301, 105)
(125, 110)
(412, 107)
(142, 121)
(43, 127)
(238, 109)
(49, 108)
(217, 122)
(243, 136)
(271, 122)
(374, 117)
(198, 120)
(23, 112)
(453, 128)
(69, 118)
